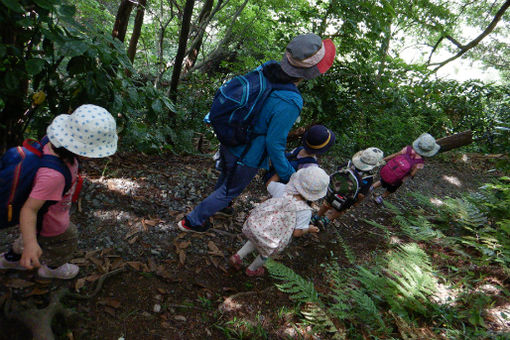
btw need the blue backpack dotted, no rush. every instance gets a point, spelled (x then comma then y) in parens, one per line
(237, 103)
(18, 167)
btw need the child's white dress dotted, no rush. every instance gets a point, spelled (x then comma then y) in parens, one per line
(271, 224)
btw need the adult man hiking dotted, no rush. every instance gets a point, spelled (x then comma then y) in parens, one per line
(306, 57)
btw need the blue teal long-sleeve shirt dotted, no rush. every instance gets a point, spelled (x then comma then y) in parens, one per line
(275, 120)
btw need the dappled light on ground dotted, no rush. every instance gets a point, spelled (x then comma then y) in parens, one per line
(436, 201)
(452, 180)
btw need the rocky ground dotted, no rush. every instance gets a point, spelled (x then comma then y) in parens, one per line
(174, 285)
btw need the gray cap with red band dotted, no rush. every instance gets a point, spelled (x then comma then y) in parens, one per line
(308, 56)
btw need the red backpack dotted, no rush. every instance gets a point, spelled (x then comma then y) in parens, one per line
(399, 167)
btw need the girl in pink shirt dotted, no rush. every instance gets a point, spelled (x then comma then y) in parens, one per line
(48, 238)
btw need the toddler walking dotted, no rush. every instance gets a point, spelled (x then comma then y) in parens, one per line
(405, 164)
(48, 238)
(271, 224)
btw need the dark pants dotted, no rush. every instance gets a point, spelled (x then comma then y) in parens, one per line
(233, 179)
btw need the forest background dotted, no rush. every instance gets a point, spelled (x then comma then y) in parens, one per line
(155, 65)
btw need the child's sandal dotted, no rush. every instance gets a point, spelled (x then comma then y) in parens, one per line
(257, 272)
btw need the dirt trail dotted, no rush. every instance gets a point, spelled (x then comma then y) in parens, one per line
(175, 282)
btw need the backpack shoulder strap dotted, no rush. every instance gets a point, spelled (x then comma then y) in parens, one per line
(55, 163)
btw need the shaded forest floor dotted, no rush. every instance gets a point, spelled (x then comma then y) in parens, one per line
(179, 286)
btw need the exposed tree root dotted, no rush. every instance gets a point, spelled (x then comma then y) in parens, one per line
(39, 320)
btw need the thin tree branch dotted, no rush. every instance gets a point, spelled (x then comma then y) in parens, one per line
(477, 40)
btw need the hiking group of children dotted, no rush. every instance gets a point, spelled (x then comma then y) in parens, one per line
(43, 177)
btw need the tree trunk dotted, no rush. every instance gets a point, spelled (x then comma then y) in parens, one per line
(203, 19)
(181, 51)
(221, 50)
(136, 30)
(455, 141)
(122, 20)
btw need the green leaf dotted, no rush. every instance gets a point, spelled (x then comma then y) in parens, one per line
(46, 4)
(77, 65)
(13, 5)
(3, 50)
(74, 48)
(11, 80)
(66, 11)
(34, 66)
(157, 106)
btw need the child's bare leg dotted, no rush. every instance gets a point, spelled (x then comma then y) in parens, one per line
(323, 209)
(333, 214)
(376, 184)
(386, 194)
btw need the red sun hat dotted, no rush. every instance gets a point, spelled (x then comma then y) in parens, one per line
(308, 56)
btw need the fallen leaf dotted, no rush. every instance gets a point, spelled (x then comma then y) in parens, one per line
(180, 317)
(151, 223)
(80, 283)
(78, 261)
(184, 245)
(151, 264)
(214, 261)
(165, 324)
(213, 247)
(133, 240)
(110, 302)
(18, 283)
(135, 265)
(182, 257)
(110, 311)
(93, 277)
(117, 263)
(131, 233)
(96, 261)
(90, 253)
(162, 291)
(37, 291)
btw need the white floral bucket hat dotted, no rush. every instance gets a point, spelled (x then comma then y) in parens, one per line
(90, 131)
(311, 183)
(367, 159)
(426, 145)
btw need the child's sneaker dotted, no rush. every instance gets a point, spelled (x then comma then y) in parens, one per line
(185, 226)
(260, 271)
(236, 261)
(323, 222)
(65, 272)
(378, 199)
(6, 264)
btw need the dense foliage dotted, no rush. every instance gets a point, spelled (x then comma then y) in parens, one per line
(370, 96)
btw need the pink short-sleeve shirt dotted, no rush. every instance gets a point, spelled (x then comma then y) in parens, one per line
(48, 186)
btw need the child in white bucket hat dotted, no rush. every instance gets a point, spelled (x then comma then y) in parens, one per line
(48, 238)
(349, 185)
(271, 224)
(405, 164)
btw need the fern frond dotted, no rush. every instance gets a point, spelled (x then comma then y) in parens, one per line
(321, 321)
(387, 232)
(293, 284)
(349, 254)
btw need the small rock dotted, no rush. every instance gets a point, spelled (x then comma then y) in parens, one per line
(157, 308)
(180, 318)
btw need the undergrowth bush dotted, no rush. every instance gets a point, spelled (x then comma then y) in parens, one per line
(405, 293)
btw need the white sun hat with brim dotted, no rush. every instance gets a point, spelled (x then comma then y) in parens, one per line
(367, 159)
(426, 145)
(90, 131)
(311, 183)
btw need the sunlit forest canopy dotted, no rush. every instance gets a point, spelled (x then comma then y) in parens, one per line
(155, 65)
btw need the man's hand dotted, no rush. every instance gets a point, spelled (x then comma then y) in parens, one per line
(31, 254)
